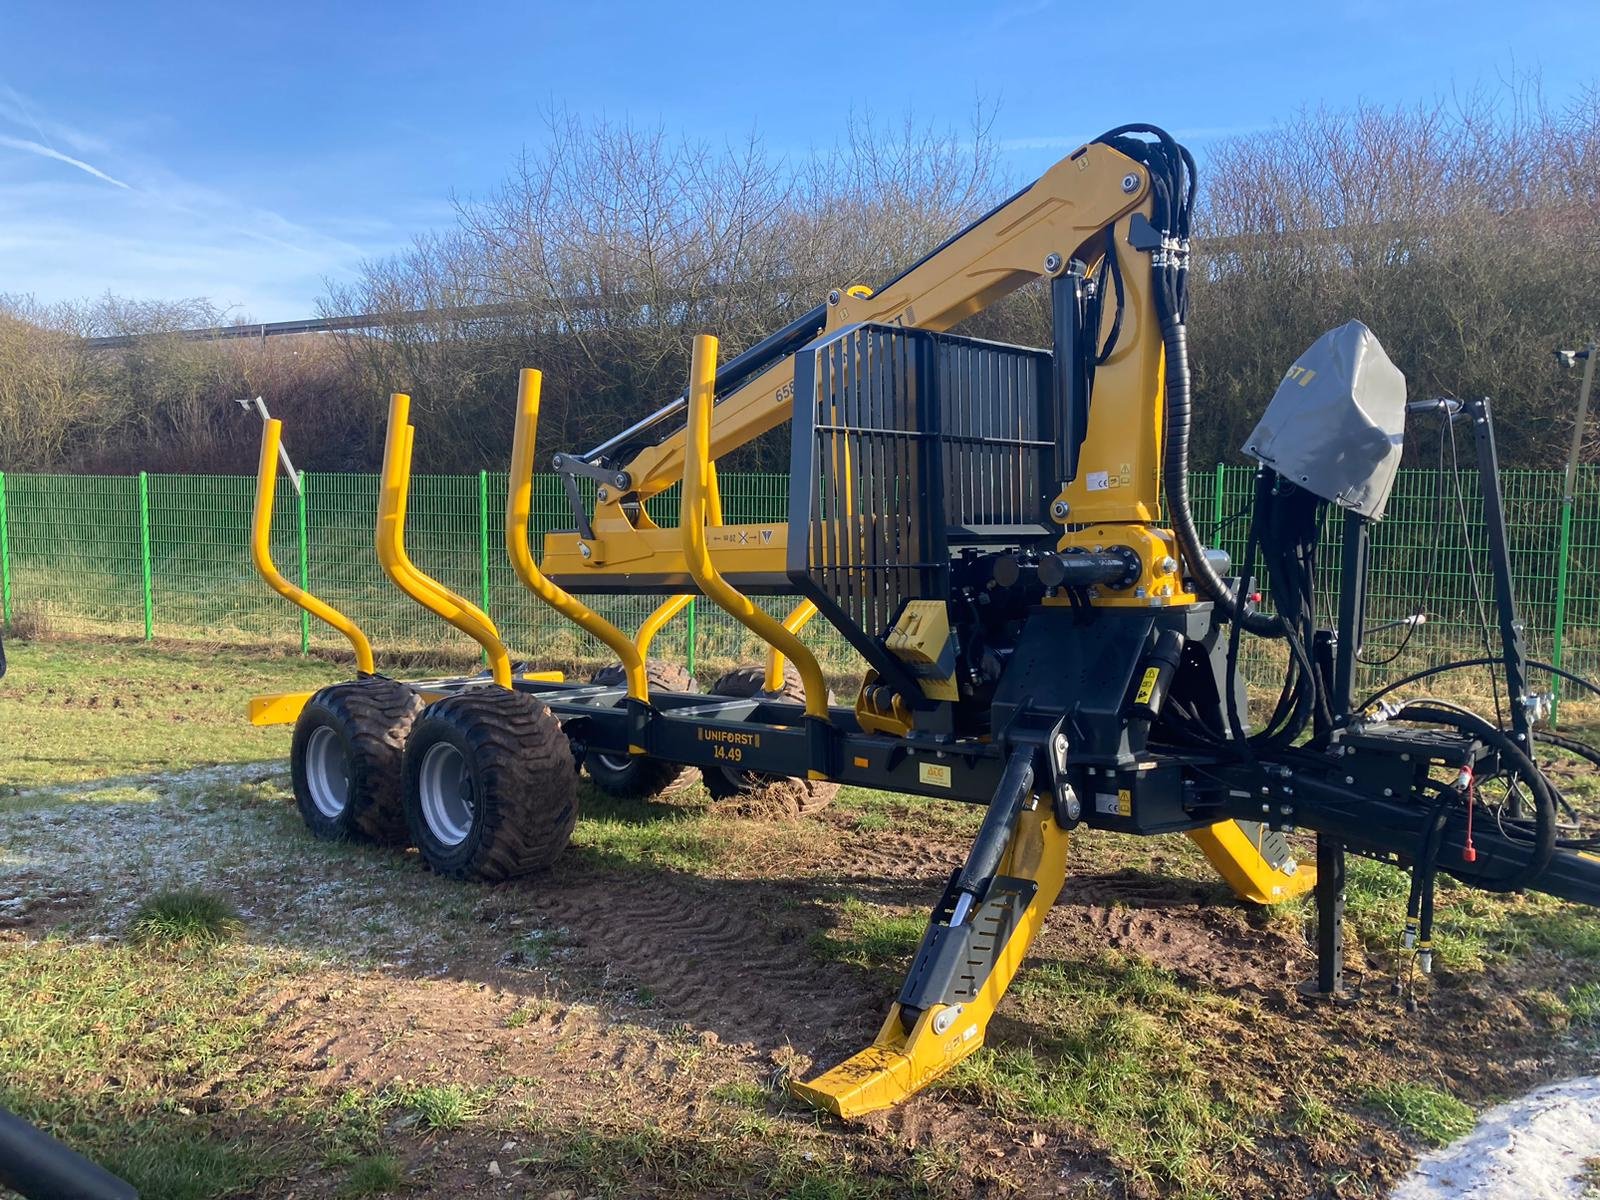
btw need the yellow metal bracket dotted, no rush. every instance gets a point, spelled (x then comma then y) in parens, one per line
(901, 1062)
(261, 553)
(395, 488)
(519, 499)
(698, 484)
(1238, 859)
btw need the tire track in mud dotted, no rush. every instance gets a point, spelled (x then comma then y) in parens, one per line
(405, 1028)
(899, 857)
(716, 959)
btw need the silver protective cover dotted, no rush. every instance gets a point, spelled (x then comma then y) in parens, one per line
(1336, 423)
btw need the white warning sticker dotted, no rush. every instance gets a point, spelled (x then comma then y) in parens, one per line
(1098, 481)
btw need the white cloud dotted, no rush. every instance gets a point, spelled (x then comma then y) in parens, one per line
(23, 144)
(155, 232)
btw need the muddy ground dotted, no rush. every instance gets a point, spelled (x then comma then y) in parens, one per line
(628, 1019)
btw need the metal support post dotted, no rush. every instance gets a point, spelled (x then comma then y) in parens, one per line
(144, 558)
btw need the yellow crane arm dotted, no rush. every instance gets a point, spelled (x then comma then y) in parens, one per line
(1064, 215)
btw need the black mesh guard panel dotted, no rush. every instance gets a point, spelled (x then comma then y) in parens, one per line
(910, 446)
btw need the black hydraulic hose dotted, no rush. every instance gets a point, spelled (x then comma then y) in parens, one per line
(1175, 482)
(35, 1165)
(730, 375)
(1462, 664)
(1544, 834)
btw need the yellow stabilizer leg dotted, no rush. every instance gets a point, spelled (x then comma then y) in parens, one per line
(1255, 862)
(900, 1063)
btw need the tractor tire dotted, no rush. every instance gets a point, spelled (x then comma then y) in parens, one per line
(756, 793)
(345, 760)
(633, 776)
(490, 789)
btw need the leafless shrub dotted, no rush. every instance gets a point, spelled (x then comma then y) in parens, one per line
(1466, 233)
(28, 623)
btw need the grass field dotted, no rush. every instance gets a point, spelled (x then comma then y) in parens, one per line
(214, 1004)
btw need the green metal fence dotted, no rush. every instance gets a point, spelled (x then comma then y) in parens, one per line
(167, 556)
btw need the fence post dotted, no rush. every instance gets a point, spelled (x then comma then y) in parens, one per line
(1216, 504)
(1558, 635)
(689, 619)
(5, 556)
(305, 561)
(483, 541)
(144, 558)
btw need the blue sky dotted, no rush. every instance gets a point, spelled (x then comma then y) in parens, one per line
(246, 153)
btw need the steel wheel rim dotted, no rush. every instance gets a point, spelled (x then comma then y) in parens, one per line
(327, 772)
(445, 789)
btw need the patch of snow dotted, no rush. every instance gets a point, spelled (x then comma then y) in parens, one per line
(1532, 1148)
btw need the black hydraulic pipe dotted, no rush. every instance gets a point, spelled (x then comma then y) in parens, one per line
(1380, 825)
(729, 376)
(1081, 570)
(36, 1166)
(1175, 483)
(1016, 782)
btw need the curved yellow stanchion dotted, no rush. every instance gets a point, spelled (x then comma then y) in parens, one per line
(395, 486)
(659, 616)
(261, 552)
(673, 605)
(519, 498)
(698, 483)
(794, 623)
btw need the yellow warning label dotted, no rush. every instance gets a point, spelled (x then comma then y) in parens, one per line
(934, 774)
(1147, 685)
(1124, 802)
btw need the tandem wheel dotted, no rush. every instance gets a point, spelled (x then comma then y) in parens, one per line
(756, 792)
(635, 776)
(489, 786)
(345, 760)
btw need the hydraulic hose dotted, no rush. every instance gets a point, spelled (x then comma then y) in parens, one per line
(1175, 482)
(1544, 833)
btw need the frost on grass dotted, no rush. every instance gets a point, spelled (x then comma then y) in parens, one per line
(84, 859)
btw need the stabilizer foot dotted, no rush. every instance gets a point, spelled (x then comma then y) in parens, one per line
(969, 956)
(897, 1065)
(1256, 862)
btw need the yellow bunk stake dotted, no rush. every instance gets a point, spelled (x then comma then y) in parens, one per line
(395, 487)
(699, 483)
(284, 707)
(657, 620)
(519, 499)
(902, 1061)
(673, 605)
(797, 620)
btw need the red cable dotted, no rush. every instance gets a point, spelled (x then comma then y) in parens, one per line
(1469, 852)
